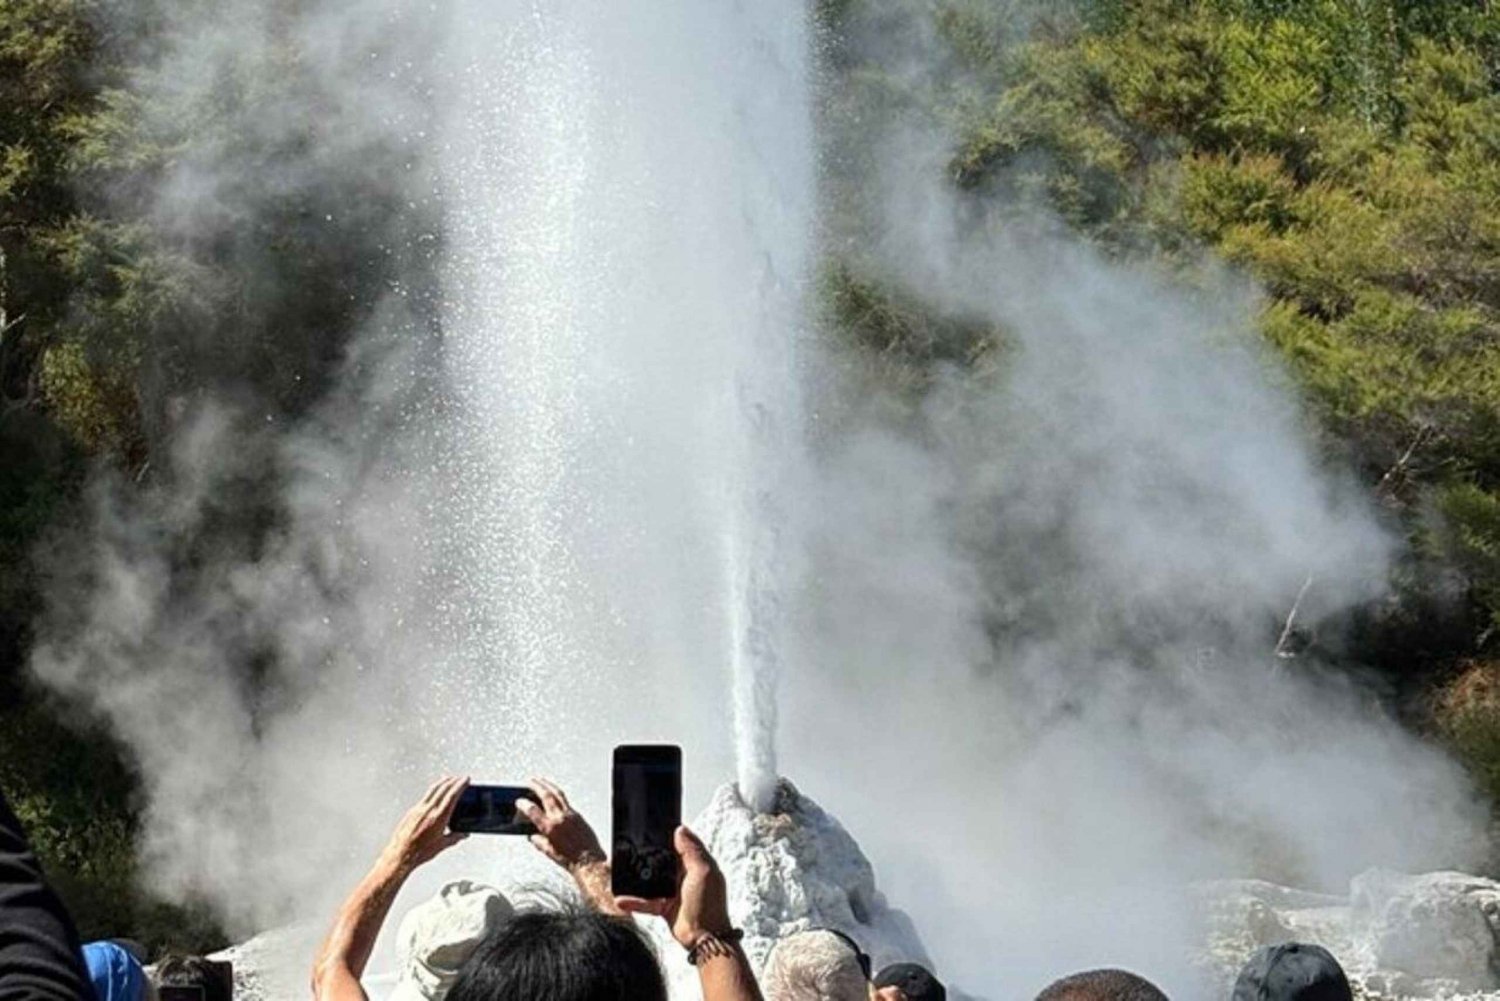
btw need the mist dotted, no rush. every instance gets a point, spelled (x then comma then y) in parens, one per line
(1050, 588)
(588, 474)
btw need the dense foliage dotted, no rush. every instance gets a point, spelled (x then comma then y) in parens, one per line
(1347, 155)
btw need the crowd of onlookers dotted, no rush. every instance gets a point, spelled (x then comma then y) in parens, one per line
(469, 943)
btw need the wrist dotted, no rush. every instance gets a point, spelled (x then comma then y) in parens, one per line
(709, 929)
(587, 860)
(713, 945)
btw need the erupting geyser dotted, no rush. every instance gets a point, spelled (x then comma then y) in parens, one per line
(630, 210)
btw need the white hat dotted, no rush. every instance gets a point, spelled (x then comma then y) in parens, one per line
(438, 935)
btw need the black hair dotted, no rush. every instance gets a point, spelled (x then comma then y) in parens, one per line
(206, 978)
(1102, 985)
(567, 955)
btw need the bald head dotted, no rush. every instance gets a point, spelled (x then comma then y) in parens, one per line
(1102, 985)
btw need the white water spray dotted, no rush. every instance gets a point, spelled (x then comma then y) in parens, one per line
(629, 211)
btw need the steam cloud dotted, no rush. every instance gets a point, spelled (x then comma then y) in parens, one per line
(1025, 630)
(1059, 591)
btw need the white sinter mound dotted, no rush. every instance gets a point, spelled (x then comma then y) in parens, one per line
(789, 870)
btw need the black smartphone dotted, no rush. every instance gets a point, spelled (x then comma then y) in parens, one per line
(168, 993)
(218, 969)
(647, 801)
(491, 810)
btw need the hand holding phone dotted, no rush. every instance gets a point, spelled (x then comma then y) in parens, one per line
(562, 834)
(423, 832)
(700, 905)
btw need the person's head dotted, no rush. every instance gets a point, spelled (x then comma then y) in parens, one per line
(1294, 971)
(907, 982)
(437, 937)
(562, 955)
(817, 965)
(178, 976)
(1102, 985)
(114, 972)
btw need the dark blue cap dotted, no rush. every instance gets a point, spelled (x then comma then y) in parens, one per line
(1294, 971)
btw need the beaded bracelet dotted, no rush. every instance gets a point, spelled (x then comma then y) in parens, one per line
(711, 946)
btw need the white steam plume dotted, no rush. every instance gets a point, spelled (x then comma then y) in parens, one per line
(1048, 601)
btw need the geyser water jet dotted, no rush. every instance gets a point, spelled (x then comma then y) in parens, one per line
(627, 250)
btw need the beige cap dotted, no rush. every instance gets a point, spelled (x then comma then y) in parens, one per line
(814, 966)
(438, 935)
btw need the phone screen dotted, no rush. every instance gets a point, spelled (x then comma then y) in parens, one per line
(220, 970)
(491, 810)
(647, 809)
(169, 993)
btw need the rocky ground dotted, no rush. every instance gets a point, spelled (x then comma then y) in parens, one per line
(1398, 936)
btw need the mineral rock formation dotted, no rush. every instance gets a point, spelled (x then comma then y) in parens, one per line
(790, 870)
(1398, 936)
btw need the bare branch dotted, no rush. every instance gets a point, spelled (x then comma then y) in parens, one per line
(1396, 473)
(1283, 649)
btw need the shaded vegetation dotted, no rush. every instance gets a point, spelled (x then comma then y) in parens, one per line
(121, 309)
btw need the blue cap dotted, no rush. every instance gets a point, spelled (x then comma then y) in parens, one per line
(115, 973)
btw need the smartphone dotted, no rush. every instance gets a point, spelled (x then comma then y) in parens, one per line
(193, 993)
(647, 801)
(491, 810)
(219, 969)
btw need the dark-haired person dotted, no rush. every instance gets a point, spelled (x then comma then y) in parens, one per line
(1102, 985)
(1293, 971)
(907, 982)
(40, 956)
(697, 917)
(565, 954)
(599, 951)
(193, 977)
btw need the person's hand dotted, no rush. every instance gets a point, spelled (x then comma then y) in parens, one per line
(562, 833)
(701, 906)
(422, 832)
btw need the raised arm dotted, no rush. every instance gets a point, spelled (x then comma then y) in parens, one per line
(699, 919)
(421, 834)
(567, 839)
(40, 959)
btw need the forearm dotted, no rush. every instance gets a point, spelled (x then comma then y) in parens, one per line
(592, 878)
(727, 976)
(346, 949)
(39, 952)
